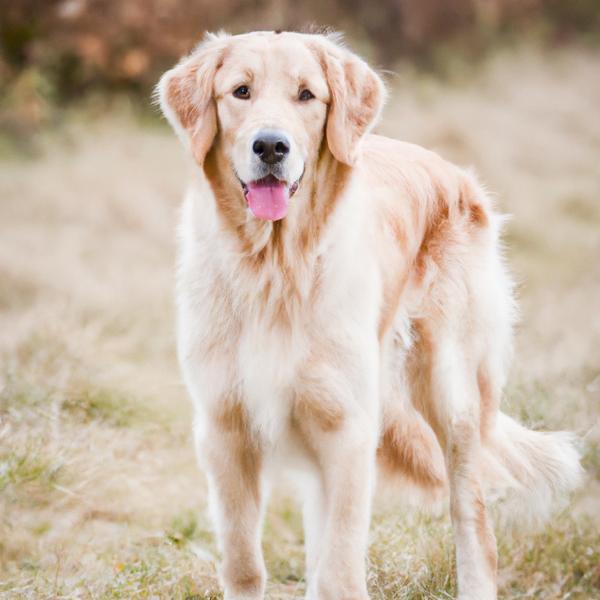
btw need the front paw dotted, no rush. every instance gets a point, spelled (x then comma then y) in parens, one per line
(332, 590)
(250, 594)
(477, 596)
(250, 587)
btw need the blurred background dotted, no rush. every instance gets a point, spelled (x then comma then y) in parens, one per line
(100, 496)
(60, 52)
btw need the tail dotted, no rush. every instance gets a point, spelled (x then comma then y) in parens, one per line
(529, 472)
(526, 473)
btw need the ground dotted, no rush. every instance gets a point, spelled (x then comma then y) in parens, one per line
(100, 496)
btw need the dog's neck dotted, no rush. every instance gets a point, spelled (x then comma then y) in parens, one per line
(296, 237)
(282, 259)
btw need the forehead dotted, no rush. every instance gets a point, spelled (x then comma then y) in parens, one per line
(286, 55)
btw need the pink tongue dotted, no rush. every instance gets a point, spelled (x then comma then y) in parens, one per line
(268, 201)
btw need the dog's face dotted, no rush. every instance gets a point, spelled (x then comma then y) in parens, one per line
(272, 97)
(269, 100)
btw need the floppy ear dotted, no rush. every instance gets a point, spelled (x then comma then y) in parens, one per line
(186, 96)
(357, 97)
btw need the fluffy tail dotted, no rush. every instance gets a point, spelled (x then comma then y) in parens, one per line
(529, 471)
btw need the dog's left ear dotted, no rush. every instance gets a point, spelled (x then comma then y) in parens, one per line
(186, 98)
(357, 97)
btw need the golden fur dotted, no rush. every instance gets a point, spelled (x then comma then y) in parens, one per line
(371, 325)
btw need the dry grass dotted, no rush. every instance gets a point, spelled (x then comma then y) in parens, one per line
(99, 493)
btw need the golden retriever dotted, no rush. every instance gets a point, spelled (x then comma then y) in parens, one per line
(342, 305)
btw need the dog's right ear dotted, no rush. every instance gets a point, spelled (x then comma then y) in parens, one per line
(186, 96)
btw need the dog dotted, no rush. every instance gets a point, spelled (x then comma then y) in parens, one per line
(343, 307)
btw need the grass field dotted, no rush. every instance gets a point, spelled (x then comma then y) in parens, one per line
(100, 496)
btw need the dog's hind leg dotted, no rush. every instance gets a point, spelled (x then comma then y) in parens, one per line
(449, 393)
(476, 555)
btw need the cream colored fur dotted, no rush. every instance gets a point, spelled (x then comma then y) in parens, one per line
(372, 325)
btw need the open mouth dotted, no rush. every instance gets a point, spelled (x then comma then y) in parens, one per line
(268, 198)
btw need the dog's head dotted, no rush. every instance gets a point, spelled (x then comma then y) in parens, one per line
(268, 100)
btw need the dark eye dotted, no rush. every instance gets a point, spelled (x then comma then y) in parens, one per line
(242, 92)
(305, 95)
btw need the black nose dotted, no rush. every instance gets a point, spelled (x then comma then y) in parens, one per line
(271, 148)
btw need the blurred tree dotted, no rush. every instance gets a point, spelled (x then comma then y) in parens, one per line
(75, 46)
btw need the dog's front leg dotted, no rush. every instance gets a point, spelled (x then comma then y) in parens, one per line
(343, 443)
(232, 460)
